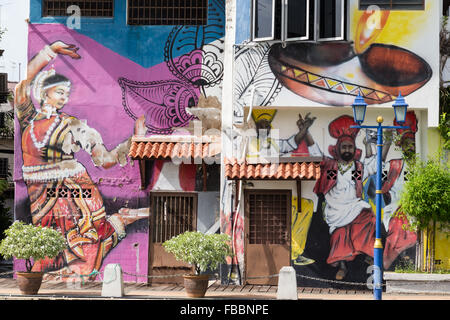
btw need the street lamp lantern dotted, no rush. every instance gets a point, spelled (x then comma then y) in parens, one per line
(359, 109)
(400, 107)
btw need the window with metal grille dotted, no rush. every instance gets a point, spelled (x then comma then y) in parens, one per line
(89, 8)
(167, 12)
(64, 192)
(172, 214)
(393, 4)
(268, 217)
(4, 168)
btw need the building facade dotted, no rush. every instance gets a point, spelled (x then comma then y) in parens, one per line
(139, 120)
(103, 78)
(300, 188)
(13, 40)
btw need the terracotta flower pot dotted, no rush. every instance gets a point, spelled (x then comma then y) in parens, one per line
(29, 282)
(196, 285)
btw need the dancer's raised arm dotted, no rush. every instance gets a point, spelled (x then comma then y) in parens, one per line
(39, 62)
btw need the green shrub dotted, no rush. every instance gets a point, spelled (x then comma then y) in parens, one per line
(426, 193)
(203, 251)
(25, 241)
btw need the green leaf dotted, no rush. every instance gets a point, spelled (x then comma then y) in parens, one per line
(203, 251)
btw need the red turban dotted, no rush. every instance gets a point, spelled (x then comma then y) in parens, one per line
(340, 129)
(411, 122)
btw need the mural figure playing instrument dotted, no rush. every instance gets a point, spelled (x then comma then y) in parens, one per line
(350, 218)
(60, 190)
(394, 222)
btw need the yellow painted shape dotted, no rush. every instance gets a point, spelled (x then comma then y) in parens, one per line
(441, 249)
(401, 28)
(332, 82)
(298, 73)
(267, 114)
(349, 87)
(300, 225)
(313, 77)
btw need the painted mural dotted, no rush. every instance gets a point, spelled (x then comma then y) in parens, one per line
(267, 144)
(194, 55)
(333, 234)
(349, 216)
(378, 61)
(62, 195)
(77, 111)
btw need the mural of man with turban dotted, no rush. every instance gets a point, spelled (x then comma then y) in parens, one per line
(350, 219)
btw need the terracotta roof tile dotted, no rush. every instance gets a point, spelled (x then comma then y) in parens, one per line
(240, 169)
(168, 150)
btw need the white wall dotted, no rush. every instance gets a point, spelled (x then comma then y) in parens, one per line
(13, 14)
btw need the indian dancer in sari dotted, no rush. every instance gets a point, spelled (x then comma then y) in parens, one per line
(61, 192)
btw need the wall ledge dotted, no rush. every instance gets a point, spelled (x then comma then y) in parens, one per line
(417, 283)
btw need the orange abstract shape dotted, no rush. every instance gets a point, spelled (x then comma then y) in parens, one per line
(369, 27)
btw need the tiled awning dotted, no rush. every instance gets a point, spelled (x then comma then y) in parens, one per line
(241, 170)
(167, 147)
(206, 149)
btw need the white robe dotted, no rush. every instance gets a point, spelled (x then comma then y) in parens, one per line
(342, 205)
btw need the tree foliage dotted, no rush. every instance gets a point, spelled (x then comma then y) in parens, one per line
(444, 91)
(426, 193)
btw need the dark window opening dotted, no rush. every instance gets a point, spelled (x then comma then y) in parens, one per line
(167, 12)
(393, 4)
(88, 8)
(4, 88)
(268, 218)
(172, 214)
(210, 181)
(331, 21)
(297, 19)
(4, 168)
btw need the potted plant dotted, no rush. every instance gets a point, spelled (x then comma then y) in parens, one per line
(32, 243)
(202, 251)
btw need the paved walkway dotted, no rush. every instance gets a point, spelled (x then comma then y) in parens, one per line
(58, 290)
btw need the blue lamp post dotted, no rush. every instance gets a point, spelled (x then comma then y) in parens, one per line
(359, 112)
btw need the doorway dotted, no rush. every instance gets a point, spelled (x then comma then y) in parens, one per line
(172, 213)
(267, 234)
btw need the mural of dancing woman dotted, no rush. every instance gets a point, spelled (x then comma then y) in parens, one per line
(62, 195)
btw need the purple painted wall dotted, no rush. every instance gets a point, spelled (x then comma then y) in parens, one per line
(107, 93)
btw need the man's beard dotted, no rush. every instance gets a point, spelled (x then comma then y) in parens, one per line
(347, 156)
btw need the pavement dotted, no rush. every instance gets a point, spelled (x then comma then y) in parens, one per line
(92, 290)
